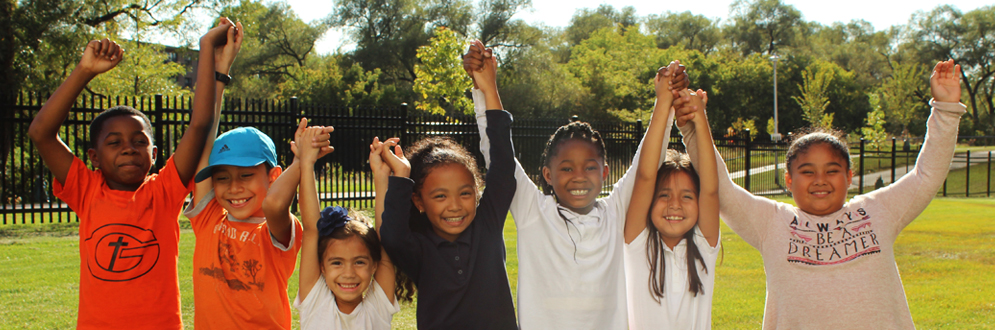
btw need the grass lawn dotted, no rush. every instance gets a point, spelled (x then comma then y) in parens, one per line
(946, 258)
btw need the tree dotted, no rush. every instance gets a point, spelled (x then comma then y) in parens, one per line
(873, 131)
(441, 80)
(691, 31)
(762, 25)
(615, 67)
(586, 21)
(901, 94)
(814, 99)
(945, 33)
(496, 26)
(145, 70)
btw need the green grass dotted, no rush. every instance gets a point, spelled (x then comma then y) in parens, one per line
(946, 258)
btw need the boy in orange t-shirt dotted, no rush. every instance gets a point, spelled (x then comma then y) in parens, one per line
(128, 229)
(247, 239)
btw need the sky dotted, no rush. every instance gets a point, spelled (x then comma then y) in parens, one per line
(881, 14)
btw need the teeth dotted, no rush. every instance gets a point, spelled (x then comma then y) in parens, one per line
(238, 201)
(457, 219)
(580, 192)
(673, 218)
(348, 286)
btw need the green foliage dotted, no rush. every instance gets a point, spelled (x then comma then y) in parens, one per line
(902, 96)
(740, 126)
(441, 81)
(685, 29)
(814, 99)
(874, 131)
(762, 25)
(615, 66)
(145, 70)
(586, 21)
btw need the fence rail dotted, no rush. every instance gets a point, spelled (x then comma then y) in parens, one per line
(344, 177)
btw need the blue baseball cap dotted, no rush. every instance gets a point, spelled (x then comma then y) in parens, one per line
(242, 147)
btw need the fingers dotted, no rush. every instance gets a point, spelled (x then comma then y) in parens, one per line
(703, 95)
(239, 34)
(301, 126)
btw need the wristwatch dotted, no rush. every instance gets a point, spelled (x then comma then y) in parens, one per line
(223, 78)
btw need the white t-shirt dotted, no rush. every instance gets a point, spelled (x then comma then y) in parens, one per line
(319, 310)
(570, 275)
(679, 308)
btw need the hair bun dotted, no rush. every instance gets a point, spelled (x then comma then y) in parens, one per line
(332, 218)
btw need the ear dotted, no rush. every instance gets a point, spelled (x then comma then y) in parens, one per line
(92, 155)
(849, 177)
(787, 180)
(419, 203)
(274, 173)
(155, 154)
(547, 175)
(604, 173)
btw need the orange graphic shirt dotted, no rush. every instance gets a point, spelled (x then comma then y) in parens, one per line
(128, 249)
(240, 272)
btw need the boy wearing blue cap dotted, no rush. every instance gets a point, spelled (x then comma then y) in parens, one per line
(244, 255)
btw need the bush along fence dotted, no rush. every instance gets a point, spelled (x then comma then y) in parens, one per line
(344, 177)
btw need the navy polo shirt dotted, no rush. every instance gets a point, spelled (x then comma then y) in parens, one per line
(462, 284)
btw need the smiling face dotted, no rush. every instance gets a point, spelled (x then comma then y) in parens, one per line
(241, 190)
(124, 152)
(347, 268)
(818, 180)
(675, 207)
(448, 197)
(576, 173)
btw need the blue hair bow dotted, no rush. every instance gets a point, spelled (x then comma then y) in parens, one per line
(332, 218)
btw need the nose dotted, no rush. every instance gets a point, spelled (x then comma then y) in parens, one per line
(454, 205)
(235, 186)
(128, 148)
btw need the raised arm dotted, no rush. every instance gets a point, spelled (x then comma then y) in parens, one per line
(224, 56)
(910, 195)
(708, 194)
(310, 270)
(644, 186)
(98, 57)
(381, 172)
(191, 146)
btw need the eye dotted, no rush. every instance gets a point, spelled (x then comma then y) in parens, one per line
(221, 178)
(246, 175)
(336, 263)
(592, 168)
(689, 197)
(439, 196)
(466, 193)
(566, 169)
(361, 262)
(113, 142)
(140, 142)
(833, 171)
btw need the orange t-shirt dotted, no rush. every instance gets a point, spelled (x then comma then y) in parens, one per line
(240, 272)
(128, 249)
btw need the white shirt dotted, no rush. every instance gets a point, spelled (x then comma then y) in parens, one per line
(679, 308)
(570, 275)
(319, 310)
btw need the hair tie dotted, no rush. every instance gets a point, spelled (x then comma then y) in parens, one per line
(332, 218)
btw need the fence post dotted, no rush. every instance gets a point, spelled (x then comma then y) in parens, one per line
(967, 178)
(893, 151)
(297, 114)
(639, 132)
(988, 183)
(860, 186)
(746, 178)
(160, 117)
(404, 123)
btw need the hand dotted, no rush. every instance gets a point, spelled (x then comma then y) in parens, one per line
(944, 82)
(377, 164)
(485, 78)
(100, 56)
(224, 55)
(306, 152)
(696, 101)
(662, 83)
(396, 160)
(216, 36)
(679, 77)
(684, 110)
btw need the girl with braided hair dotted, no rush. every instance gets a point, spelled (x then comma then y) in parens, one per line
(570, 243)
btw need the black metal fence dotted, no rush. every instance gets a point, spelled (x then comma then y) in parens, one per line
(344, 177)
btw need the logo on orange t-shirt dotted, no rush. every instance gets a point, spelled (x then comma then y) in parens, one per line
(121, 252)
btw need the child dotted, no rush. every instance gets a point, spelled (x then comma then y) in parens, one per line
(435, 231)
(247, 240)
(830, 263)
(128, 230)
(671, 232)
(340, 257)
(569, 242)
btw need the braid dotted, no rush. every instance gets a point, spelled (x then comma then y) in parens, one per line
(577, 130)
